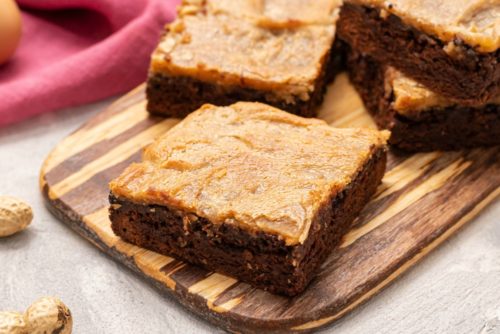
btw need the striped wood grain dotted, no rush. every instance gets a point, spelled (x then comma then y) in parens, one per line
(424, 198)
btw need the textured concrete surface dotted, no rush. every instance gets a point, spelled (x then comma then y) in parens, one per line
(454, 290)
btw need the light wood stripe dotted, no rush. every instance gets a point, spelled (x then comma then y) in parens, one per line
(227, 306)
(151, 263)
(99, 222)
(466, 218)
(404, 173)
(355, 119)
(340, 111)
(432, 183)
(85, 138)
(211, 287)
(118, 154)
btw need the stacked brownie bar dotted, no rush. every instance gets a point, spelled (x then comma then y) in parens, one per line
(250, 191)
(223, 51)
(418, 118)
(429, 72)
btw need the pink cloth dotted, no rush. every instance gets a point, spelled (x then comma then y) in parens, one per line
(77, 51)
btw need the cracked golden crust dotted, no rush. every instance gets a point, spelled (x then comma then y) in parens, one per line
(249, 164)
(279, 13)
(476, 22)
(257, 44)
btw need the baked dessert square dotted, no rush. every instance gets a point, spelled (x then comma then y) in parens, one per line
(418, 118)
(450, 46)
(249, 191)
(224, 51)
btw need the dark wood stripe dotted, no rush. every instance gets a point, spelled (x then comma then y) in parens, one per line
(190, 275)
(96, 188)
(80, 159)
(395, 158)
(238, 290)
(118, 107)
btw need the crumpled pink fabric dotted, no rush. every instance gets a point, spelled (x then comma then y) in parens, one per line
(78, 51)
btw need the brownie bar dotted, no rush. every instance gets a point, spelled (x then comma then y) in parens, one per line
(250, 191)
(221, 52)
(178, 96)
(453, 69)
(437, 127)
(261, 259)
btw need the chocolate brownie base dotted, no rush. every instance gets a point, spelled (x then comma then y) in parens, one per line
(260, 259)
(468, 77)
(434, 129)
(175, 96)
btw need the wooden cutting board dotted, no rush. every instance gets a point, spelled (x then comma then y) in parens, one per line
(423, 200)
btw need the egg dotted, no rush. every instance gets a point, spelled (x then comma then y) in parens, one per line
(10, 29)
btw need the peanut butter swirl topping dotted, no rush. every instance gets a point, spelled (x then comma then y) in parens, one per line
(273, 45)
(476, 22)
(251, 165)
